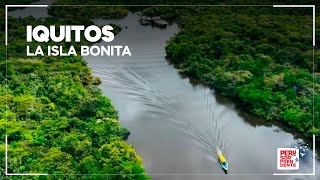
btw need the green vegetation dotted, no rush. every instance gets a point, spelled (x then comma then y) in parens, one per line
(60, 123)
(2, 3)
(83, 11)
(261, 56)
(56, 118)
(263, 59)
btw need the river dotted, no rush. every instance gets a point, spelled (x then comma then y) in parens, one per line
(37, 12)
(176, 123)
(166, 114)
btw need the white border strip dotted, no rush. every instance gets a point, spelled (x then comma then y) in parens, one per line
(6, 22)
(158, 5)
(313, 17)
(6, 43)
(314, 155)
(31, 5)
(313, 44)
(16, 174)
(6, 165)
(17, 6)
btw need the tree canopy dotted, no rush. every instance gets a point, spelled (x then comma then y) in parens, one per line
(55, 116)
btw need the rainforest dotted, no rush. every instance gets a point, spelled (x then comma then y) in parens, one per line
(58, 121)
(54, 114)
(263, 59)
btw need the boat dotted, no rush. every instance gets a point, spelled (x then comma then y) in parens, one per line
(223, 162)
(144, 23)
(153, 20)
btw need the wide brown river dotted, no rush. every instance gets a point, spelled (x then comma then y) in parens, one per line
(176, 123)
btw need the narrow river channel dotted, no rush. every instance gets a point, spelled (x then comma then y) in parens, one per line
(176, 123)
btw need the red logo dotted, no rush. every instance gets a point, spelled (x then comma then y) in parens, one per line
(288, 159)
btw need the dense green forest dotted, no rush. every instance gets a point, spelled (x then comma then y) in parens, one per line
(83, 11)
(55, 116)
(261, 56)
(60, 123)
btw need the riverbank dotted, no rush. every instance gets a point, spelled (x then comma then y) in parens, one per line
(52, 111)
(266, 64)
(176, 125)
(155, 103)
(247, 58)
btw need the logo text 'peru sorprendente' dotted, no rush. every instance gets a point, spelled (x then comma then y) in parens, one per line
(288, 159)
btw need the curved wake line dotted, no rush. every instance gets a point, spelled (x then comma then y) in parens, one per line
(129, 81)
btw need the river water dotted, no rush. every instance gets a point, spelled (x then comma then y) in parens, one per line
(176, 123)
(37, 12)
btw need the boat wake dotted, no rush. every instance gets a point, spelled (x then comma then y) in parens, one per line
(134, 82)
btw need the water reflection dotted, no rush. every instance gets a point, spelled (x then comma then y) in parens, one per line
(175, 122)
